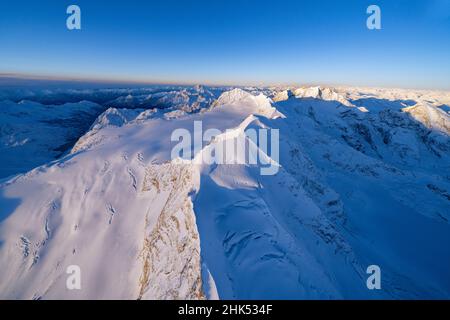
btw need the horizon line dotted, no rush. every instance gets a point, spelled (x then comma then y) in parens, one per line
(128, 81)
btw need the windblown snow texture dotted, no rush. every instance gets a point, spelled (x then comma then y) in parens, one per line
(363, 179)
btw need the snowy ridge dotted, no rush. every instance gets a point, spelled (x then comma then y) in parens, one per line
(91, 202)
(327, 94)
(361, 181)
(258, 105)
(430, 117)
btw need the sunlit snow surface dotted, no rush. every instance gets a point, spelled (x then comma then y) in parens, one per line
(364, 180)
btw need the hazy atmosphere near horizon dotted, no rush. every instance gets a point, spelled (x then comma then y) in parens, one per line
(225, 150)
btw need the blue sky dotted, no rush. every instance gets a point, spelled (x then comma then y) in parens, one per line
(231, 42)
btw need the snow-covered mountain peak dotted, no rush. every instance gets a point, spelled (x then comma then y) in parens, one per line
(115, 117)
(283, 95)
(246, 102)
(233, 96)
(317, 92)
(431, 117)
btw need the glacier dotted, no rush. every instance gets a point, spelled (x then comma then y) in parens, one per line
(363, 180)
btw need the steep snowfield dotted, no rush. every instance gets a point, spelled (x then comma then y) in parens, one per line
(363, 179)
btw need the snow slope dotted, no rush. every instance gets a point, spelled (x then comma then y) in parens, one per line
(363, 180)
(40, 125)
